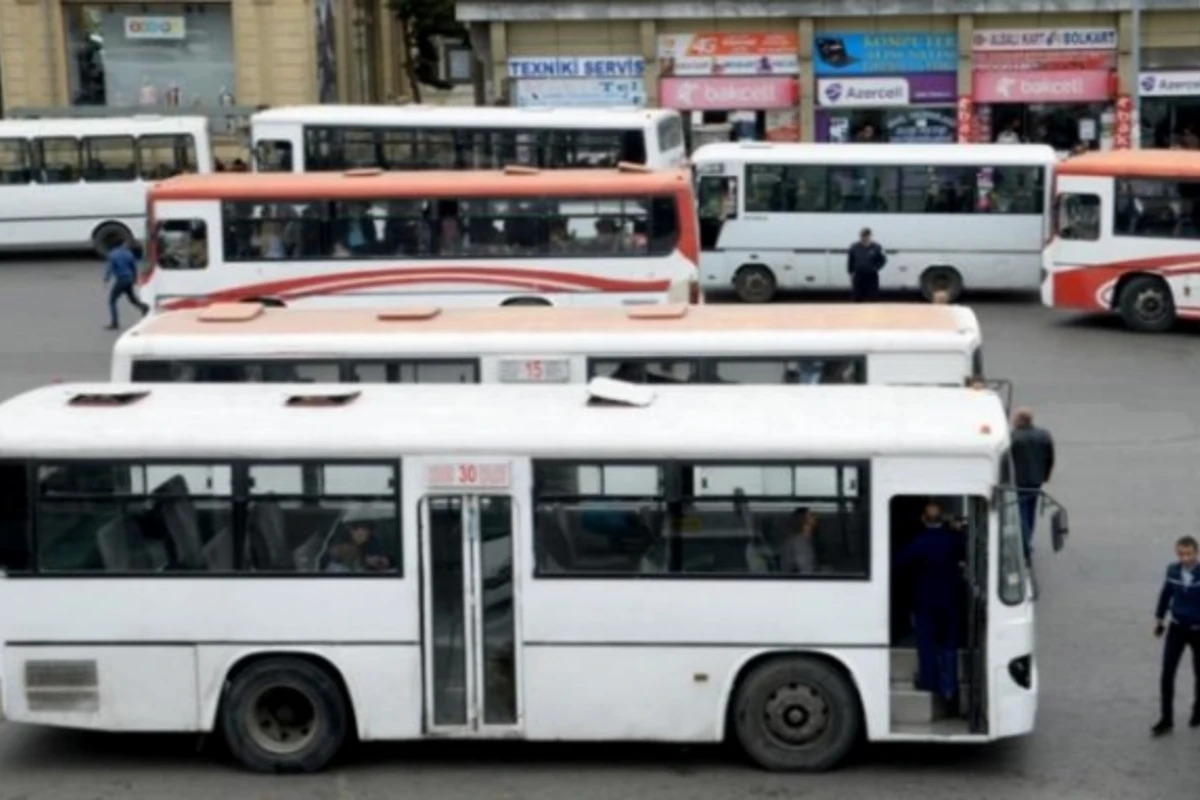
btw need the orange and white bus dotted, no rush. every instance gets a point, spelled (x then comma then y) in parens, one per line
(371, 238)
(1127, 237)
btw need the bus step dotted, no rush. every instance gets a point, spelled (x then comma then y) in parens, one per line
(904, 664)
(914, 707)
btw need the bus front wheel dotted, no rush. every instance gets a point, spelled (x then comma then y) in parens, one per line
(755, 283)
(937, 280)
(284, 715)
(1145, 305)
(797, 714)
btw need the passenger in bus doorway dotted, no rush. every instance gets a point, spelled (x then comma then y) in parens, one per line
(863, 262)
(122, 270)
(934, 563)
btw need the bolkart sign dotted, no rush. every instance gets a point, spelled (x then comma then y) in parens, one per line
(1169, 84)
(549, 67)
(1017, 39)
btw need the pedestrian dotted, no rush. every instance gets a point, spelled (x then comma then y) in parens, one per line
(122, 271)
(934, 562)
(863, 262)
(1180, 597)
(1033, 461)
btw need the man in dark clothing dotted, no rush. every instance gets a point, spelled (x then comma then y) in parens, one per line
(122, 270)
(1180, 596)
(934, 560)
(1033, 462)
(863, 262)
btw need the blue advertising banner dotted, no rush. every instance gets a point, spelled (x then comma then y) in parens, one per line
(878, 53)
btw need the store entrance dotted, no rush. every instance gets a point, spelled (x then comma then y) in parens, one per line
(1067, 127)
(890, 125)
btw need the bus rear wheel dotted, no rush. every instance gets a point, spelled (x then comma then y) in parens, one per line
(797, 715)
(284, 715)
(941, 279)
(1146, 306)
(107, 236)
(755, 283)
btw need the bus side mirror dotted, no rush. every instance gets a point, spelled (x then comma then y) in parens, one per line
(1060, 528)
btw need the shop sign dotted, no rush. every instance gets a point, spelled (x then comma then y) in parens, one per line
(728, 94)
(1041, 87)
(885, 91)
(1017, 39)
(1169, 84)
(876, 53)
(1123, 135)
(1034, 61)
(548, 67)
(685, 54)
(583, 92)
(155, 28)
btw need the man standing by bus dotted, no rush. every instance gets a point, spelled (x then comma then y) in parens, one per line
(863, 262)
(1033, 461)
(122, 271)
(1180, 596)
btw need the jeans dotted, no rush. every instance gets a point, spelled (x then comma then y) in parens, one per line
(126, 289)
(937, 651)
(1178, 639)
(864, 286)
(1027, 503)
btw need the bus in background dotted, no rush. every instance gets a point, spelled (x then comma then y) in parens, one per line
(952, 218)
(877, 344)
(81, 183)
(1127, 237)
(292, 567)
(372, 238)
(342, 137)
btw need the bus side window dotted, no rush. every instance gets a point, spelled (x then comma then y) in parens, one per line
(109, 159)
(717, 198)
(182, 244)
(58, 160)
(14, 517)
(14, 162)
(163, 156)
(1079, 218)
(273, 156)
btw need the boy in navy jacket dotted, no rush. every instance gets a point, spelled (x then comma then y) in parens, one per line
(1180, 596)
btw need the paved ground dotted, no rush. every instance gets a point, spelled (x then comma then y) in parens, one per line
(1126, 413)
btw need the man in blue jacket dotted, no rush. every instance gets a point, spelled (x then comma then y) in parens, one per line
(122, 270)
(864, 261)
(1180, 596)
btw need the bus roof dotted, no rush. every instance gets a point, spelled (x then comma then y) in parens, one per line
(386, 421)
(257, 320)
(986, 155)
(368, 115)
(1134, 164)
(283, 186)
(138, 125)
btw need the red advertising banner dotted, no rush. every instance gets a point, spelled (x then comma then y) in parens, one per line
(1124, 135)
(1049, 60)
(966, 120)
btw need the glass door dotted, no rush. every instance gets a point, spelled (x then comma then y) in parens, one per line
(469, 614)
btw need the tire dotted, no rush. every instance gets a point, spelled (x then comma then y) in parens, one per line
(1146, 306)
(264, 714)
(525, 301)
(108, 236)
(755, 284)
(941, 279)
(797, 715)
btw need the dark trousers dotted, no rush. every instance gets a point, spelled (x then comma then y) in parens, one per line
(937, 651)
(1027, 504)
(864, 286)
(123, 289)
(1178, 638)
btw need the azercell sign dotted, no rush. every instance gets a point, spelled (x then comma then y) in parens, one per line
(862, 92)
(1169, 84)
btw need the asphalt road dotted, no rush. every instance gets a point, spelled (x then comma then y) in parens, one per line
(1125, 410)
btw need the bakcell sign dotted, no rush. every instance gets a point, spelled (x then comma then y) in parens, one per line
(143, 28)
(1041, 87)
(728, 94)
(1169, 84)
(1011, 39)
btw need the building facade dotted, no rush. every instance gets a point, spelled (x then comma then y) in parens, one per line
(1054, 71)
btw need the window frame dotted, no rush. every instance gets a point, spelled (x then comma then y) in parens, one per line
(1059, 201)
(705, 366)
(38, 145)
(240, 502)
(344, 365)
(1192, 213)
(864, 499)
(177, 140)
(27, 158)
(89, 155)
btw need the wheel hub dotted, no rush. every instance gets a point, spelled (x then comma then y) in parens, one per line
(1150, 304)
(282, 719)
(796, 714)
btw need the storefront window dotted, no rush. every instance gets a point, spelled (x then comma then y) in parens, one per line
(893, 126)
(1066, 127)
(150, 55)
(1171, 122)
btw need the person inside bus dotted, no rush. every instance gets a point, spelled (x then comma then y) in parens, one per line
(270, 239)
(560, 238)
(798, 552)
(357, 549)
(933, 561)
(356, 234)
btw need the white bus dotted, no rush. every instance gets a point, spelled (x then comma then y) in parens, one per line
(338, 138)
(403, 562)
(81, 183)
(1128, 237)
(880, 344)
(950, 217)
(467, 237)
